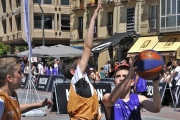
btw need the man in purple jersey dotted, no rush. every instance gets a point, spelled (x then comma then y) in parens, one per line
(121, 105)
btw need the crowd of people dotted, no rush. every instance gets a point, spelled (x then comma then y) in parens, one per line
(42, 68)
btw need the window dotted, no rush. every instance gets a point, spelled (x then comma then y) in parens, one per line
(44, 1)
(10, 22)
(153, 18)
(80, 29)
(4, 26)
(130, 19)
(18, 3)
(64, 2)
(48, 22)
(10, 4)
(169, 15)
(4, 5)
(18, 23)
(110, 23)
(65, 22)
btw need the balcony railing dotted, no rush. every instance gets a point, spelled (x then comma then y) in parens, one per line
(153, 25)
(107, 1)
(110, 30)
(78, 5)
(128, 1)
(92, 4)
(80, 32)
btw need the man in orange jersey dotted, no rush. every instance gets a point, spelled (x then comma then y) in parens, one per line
(83, 101)
(10, 80)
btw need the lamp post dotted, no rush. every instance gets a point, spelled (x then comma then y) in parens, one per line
(42, 17)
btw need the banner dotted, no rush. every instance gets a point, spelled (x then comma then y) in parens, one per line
(162, 87)
(55, 79)
(43, 81)
(24, 81)
(26, 24)
(62, 95)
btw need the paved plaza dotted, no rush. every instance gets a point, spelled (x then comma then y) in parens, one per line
(166, 113)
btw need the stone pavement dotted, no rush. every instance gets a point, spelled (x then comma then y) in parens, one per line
(166, 113)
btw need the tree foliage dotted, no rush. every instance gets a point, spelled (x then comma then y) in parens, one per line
(4, 49)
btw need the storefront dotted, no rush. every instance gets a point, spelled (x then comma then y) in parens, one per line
(143, 43)
(109, 48)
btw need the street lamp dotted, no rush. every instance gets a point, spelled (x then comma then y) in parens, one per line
(42, 17)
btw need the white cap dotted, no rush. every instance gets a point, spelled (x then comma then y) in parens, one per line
(91, 69)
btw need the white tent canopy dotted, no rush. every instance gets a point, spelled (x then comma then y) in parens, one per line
(54, 51)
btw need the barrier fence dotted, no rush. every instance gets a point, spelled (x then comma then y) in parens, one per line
(59, 86)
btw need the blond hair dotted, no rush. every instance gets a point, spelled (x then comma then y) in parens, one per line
(8, 65)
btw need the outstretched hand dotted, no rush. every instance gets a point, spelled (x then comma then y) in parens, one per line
(47, 103)
(96, 12)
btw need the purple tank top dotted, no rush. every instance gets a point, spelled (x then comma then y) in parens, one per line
(126, 110)
(48, 72)
(141, 85)
(54, 71)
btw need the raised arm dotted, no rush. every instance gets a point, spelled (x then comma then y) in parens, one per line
(155, 105)
(89, 41)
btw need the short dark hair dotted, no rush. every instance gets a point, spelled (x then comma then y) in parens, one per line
(102, 68)
(67, 65)
(122, 67)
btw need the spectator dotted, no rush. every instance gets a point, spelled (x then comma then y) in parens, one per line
(59, 67)
(130, 61)
(22, 66)
(48, 69)
(103, 73)
(97, 75)
(40, 68)
(92, 75)
(55, 64)
(106, 66)
(26, 69)
(116, 64)
(175, 76)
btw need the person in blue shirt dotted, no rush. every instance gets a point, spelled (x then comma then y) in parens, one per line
(140, 87)
(120, 104)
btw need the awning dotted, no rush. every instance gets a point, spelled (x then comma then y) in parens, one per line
(169, 46)
(112, 41)
(143, 43)
(168, 43)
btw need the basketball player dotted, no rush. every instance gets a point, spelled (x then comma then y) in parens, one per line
(121, 105)
(83, 101)
(10, 80)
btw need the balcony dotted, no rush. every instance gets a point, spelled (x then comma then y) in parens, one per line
(80, 33)
(152, 25)
(128, 1)
(78, 5)
(108, 3)
(110, 30)
(92, 5)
